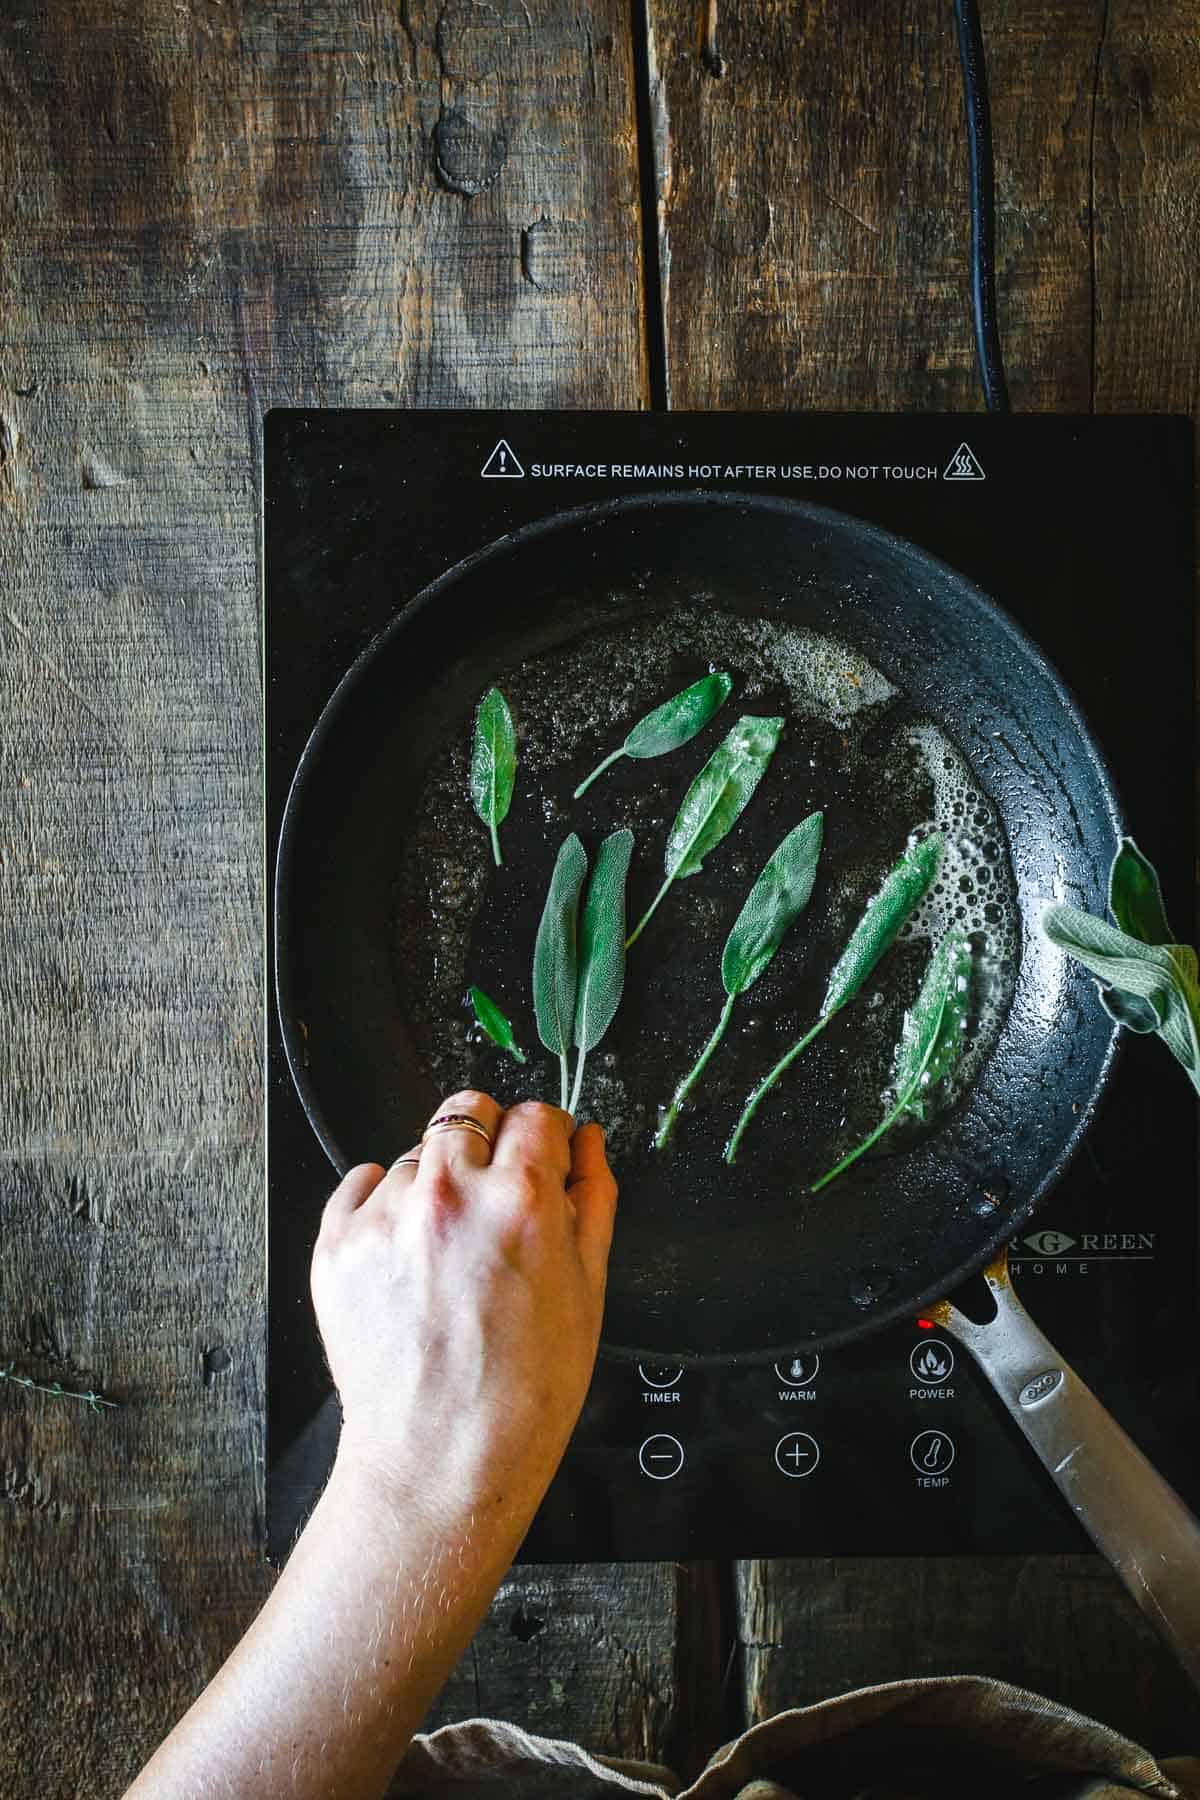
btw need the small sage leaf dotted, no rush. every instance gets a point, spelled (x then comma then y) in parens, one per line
(716, 800)
(1129, 1010)
(556, 955)
(931, 1042)
(885, 917)
(493, 1022)
(1135, 896)
(493, 764)
(602, 942)
(670, 725)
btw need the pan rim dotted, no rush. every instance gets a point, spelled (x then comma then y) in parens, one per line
(599, 512)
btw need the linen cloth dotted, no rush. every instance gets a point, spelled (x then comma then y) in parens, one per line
(954, 1737)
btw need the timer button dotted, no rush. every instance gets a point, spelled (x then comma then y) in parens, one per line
(661, 1375)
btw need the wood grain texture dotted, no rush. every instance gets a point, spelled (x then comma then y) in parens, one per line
(812, 197)
(206, 210)
(585, 1651)
(819, 1625)
(811, 174)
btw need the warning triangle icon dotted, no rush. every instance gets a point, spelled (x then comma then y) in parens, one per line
(964, 465)
(503, 463)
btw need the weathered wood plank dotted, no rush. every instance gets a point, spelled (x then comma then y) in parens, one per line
(1147, 211)
(813, 236)
(583, 1651)
(1059, 1625)
(207, 210)
(812, 178)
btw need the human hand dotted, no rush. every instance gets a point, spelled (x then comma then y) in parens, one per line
(460, 1305)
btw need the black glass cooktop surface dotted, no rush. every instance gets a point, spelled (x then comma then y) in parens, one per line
(1080, 529)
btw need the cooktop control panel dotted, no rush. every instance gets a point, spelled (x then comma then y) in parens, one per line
(893, 1443)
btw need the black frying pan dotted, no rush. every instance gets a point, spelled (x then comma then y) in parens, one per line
(709, 1265)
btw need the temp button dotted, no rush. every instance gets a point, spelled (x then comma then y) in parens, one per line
(661, 1456)
(931, 1454)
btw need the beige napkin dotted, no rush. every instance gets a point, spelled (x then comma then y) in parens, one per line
(955, 1737)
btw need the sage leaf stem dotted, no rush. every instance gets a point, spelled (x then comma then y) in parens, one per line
(885, 916)
(679, 1099)
(778, 897)
(930, 1043)
(767, 1083)
(715, 801)
(670, 725)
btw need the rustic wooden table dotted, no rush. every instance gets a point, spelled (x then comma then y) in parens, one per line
(211, 207)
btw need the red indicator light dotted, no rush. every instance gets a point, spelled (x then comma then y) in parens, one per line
(925, 1324)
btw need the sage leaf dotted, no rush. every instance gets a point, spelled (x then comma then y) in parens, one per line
(885, 917)
(670, 725)
(715, 801)
(931, 1043)
(1129, 1010)
(1138, 977)
(493, 1023)
(493, 764)
(601, 950)
(777, 898)
(1121, 961)
(903, 890)
(1135, 896)
(556, 955)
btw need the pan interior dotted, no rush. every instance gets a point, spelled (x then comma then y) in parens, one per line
(909, 702)
(853, 747)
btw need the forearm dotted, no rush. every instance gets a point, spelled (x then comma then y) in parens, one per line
(320, 1698)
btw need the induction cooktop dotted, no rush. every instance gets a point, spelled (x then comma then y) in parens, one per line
(1080, 528)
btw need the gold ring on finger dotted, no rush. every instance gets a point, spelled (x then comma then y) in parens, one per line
(457, 1122)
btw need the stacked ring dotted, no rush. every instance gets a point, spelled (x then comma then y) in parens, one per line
(457, 1122)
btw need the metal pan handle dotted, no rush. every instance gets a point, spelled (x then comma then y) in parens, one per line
(1132, 1515)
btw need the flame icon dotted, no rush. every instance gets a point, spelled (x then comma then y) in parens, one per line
(931, 1365)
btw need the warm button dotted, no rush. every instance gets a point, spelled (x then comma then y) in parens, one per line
(799, 1370)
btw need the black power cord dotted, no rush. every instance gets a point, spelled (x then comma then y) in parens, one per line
(983, 206)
